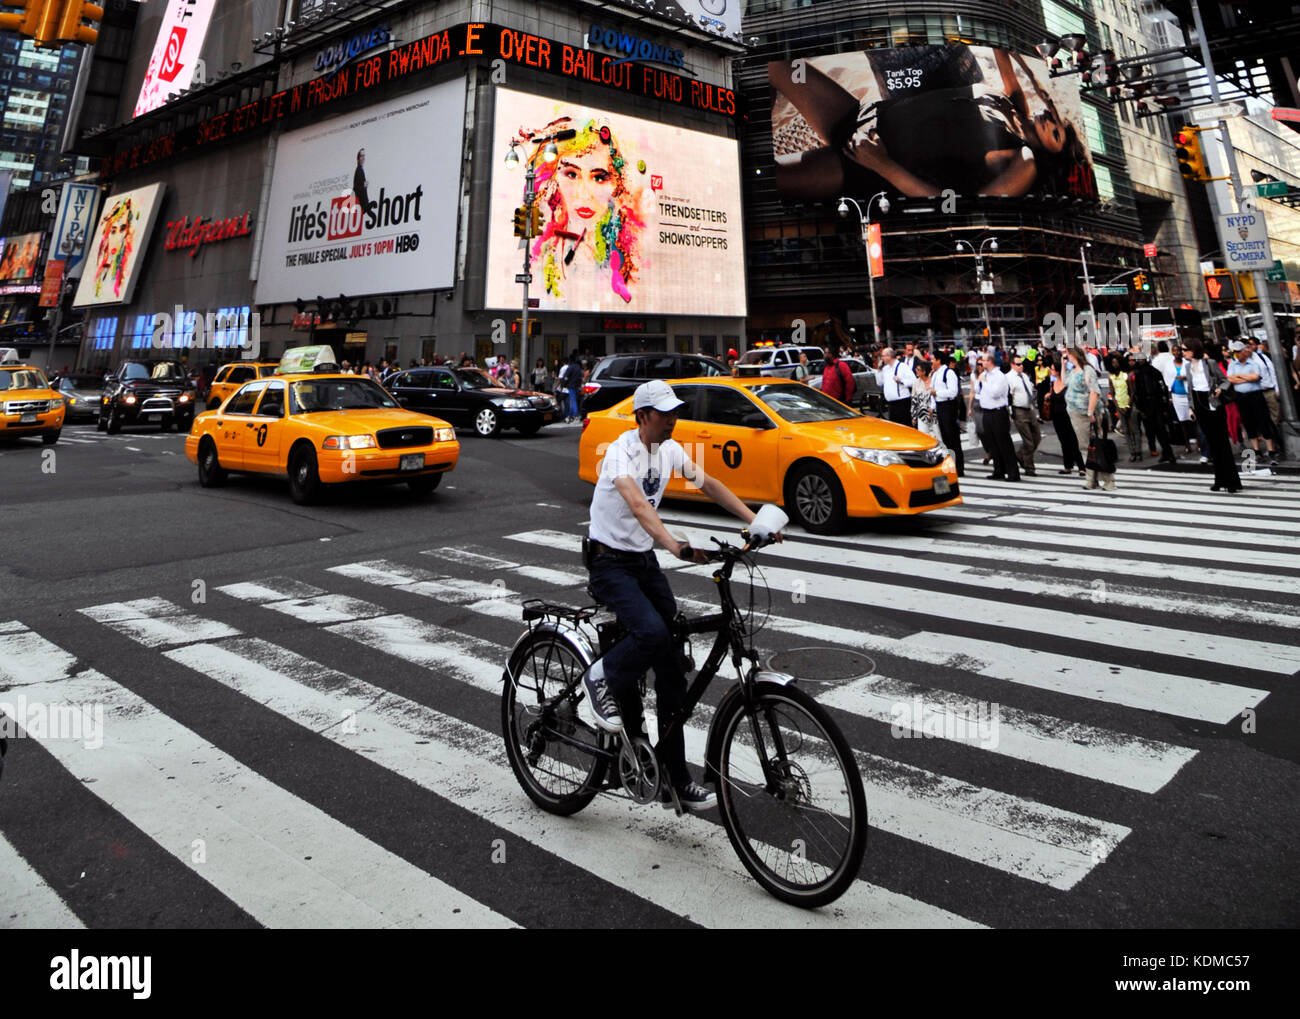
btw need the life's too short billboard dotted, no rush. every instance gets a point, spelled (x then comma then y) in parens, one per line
(1245, 240)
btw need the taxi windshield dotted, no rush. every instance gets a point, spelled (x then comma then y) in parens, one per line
(26, 378)
(338, 394)
(800, 404)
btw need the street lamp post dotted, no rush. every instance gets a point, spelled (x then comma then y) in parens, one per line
(1087, 287)
(864, 221)
(549, 154)
(992, 243)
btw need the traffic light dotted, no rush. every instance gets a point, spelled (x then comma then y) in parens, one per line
(1220, 286)
(1141, 283)
(537, 221)
(521, 222)
(534, 328)
(39, 20)
(1191, 159)
(71, 28)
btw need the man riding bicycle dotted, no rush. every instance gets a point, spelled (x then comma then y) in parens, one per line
(625, 574)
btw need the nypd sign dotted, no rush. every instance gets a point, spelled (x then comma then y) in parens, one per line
(1245, 241)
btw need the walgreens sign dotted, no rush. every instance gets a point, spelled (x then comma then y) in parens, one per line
(175, 52)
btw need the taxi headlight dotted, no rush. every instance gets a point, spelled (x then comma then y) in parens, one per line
(949, 464)
(880, 457)
(511, 403)
(349, 442)
(444, 435)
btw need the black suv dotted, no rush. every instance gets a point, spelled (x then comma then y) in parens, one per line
(147, 393)
(616, 377)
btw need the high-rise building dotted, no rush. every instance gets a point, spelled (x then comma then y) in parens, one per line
(36, 87)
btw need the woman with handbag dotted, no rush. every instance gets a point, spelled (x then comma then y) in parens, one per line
(1210, 393)
(1054, 408)
(1083, 399)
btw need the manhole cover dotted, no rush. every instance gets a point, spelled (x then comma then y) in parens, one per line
(822, 664)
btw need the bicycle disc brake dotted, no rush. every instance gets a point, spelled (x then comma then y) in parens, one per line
(638, 770)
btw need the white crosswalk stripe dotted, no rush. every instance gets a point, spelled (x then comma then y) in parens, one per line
(1022, 563)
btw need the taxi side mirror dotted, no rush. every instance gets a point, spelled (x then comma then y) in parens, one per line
(755, 419)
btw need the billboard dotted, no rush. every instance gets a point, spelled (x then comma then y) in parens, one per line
(118, 245)
(922, 120)
(367, 203)
(175, 51)
(20, 258)
(636, 217)
(72, 223)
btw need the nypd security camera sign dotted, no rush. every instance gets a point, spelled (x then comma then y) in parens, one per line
(1245, 240)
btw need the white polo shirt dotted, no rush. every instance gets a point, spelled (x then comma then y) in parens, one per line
(612, 520)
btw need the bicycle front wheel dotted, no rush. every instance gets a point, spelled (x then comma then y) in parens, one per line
(551, 749)
(801, 828)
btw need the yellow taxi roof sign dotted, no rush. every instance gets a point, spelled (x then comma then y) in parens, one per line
(305, 359)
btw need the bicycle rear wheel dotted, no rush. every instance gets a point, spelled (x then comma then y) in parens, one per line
(546, 741)
(802, 836)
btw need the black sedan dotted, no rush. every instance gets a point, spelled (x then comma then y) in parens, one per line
(468, 398)
(81, 395)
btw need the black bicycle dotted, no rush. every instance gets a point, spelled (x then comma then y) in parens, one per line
(789, 790)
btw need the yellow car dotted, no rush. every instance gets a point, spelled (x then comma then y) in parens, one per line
(28, 405)
(776, 440)
(319, 427)
(231, 376)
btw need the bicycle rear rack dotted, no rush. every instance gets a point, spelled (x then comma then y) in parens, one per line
(535, 609)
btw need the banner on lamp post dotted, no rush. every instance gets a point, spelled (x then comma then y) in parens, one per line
(875, 251)
(52, 285)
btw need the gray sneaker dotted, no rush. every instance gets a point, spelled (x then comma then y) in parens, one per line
(692, 796)
(603, 705)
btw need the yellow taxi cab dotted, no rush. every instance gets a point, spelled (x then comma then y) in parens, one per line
(319, 427)
(777, 440)
(28, 406)
(231, 376)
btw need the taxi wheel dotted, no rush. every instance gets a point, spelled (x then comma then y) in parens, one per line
(99, 422)
(425, 485)
(815, 499)
(487, 423)
(211, 473)
(50, 438)
(304, 479)
(114, 421)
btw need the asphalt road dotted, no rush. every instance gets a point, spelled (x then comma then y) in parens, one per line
(1119, 639)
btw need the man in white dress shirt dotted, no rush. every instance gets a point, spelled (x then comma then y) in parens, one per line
(896, 381)
(993, 398)
(947, 404)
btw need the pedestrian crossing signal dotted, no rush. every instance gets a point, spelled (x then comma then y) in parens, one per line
(1219, 285)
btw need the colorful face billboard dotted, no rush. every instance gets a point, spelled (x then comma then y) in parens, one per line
(636, 217)
(920, 120)
(177, 48)
(117, 247)
(367, 203)
(20, 260)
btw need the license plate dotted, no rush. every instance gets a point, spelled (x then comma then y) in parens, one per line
(153, 417)
(27, 419)
(412, 461)
(941, 486)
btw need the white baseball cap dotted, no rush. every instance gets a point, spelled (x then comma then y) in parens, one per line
(1237, 345)
(657, 394)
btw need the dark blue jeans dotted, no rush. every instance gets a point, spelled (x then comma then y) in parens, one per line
(638, 593)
